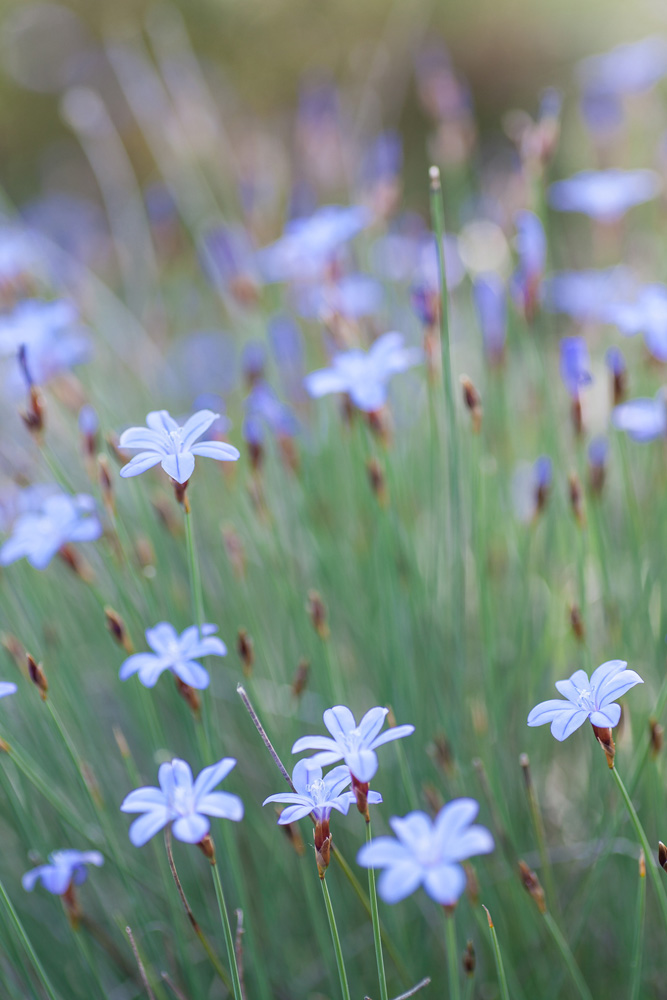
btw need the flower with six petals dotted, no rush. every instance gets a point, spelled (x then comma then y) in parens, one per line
(177, 653)
(173, 446)
(65, 868)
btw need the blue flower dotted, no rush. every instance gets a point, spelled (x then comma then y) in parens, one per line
(574, 364)
(364, 375)
(54, 340)
(173, 446)
(183, 803)
(176, 653)
(355, 744)
(586, 699)
(604, 194)
(40, 533)
(531, 247)
(491, 304)
(264, 409)
(7, 687)
(353, 296)
(65, 868)
(316, 794)
(310, 244)
(598, 450)
(530, 488)
(615, 361)
(585, 295)
(642, 419)
(627, 69)
(647, 314)
(428, 852)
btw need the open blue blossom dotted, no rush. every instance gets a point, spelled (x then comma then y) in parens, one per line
(490, 301)
(353, 296)
(364, 375)
(646, 314)
(586, 699)
(53, 338)
(60, 519)
(604, 194)
(629, 68)
(355, 744)
(615, 361)
(184, 803)
(585, 295)
(428, 852)
(574, 364)
(177, 653)
(642, 419)
(65, 868)
(317, 794)
(6, 688)
(310, 244)
(172, 446)
(531, 248)
(264, 409)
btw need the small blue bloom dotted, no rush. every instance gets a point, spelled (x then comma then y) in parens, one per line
(574, 364)
(428, 852)
(65, 868)
(7, 687)
(88, 420)
(531, 248)
(642, 419)
(355, 744)
(263, 409)
(253, 361)
(598, 450)
(604, 194)
(53, 338)
(173, 446)
(352, 297)
(182, 802)
(585, 295)
(490, 301)
(601, 110)
(310, 244)
(177, 653)
(229, 260)
(316, 794)
(60, 519)
(646, 314)
(530, 488)
(364, 375)
(627, 69)
(586, 699)
(615, 361)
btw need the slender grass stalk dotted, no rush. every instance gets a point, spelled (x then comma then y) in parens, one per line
(426, 981)
(638, 943)
(27, 944)
(452, 957)
(538, 826)
(568, 957)
(229, 940)
(469, 988)
(641, 833)
(338, 951)
(375, 917)
(502, 979)
(195, 574)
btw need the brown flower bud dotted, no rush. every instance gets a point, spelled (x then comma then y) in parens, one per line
(167, 515)
(642, 864)
(117, 630)
(577, 418)
(469, 959)
(619, 386)
(121, 743)
(577, 622)
(657, 737)
(360, 789)
(256, 453)
(15, 649)
(472, 883)
(577, 499)
(322, 838)
(377, 481)
(443, 754)
(318, 614)
(207, 848)
(532, 885)
(71, 904)
(145, 553)
(189, 695)
(106, 485)
(246, 650)
(291, 831)
(288, 452)
(300, 678)
(181, 494)
(606, 741)
(37, 676)
(432, 796)
(76, 563)
(473, 403)
(662, 855)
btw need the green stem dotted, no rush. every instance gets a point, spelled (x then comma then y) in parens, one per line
(568, 957)
(638, 943)
(375, 917)
(27, 944)
(338, 951)
(641, 833)
(452, 957)
(195, 575)
(500, 968)
(229, 940)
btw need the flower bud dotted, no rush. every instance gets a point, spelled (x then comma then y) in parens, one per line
(207, 848)
(117, 630)
(291, 831)
(473, 403)
(657, 737)
(300, 678)
(37, 676)
(189, 695)
(662, 855)
(181, 495)
(322, 838)
(532, 885)
(246, 650)
(377, 481)
(469, 959)
(15, 649)
(606, 741)
(318, 614)
(106, 485)
(360, 789)
(577, 622)
(577, 499)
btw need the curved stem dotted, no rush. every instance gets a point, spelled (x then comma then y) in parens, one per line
(229, 940)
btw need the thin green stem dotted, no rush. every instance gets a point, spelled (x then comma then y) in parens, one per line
(568, 957)
(500, 968)
(338, 951)
(452, 957)
(375, 917)
(27, 944)
(195, 574)
(638, 943)
(229, 940)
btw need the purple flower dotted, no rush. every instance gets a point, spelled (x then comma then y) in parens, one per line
(264, 409)
(428, 852)
(531, 247)
(173, 446)
(310, 244)
(585, 295)
(586, 699)
(530, 488)
(229, 259)
(176, 653)
(253, 361)
(383, 160)
(490, 301)
(352, 297)
(355, 744)
(627, 69)
(615, 361)
(6, 688)
(598, 450)
(54, 340)
(316, 794)
(601, 110)
(364, 375)
(642, 419)
(65, 868)
(647, 314)
(182, 802)
(60, 519)
(574, 364)
(604, 194)
(88, 421)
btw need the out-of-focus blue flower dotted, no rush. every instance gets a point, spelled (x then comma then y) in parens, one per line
(316, 794)
(425, 291)
(352, 296)
(264, 409)
(177, 653)
(287, 346)
(627, 69)
(642, 419)
(598, 450)
(172, 446)
(604, 194)
(586, 295)
(601, 110)
(65, 868)
(75, 224)
(203, 362)
(491, 304)
(88, 420)
(364, 375)
(53, 338)
(309, 245)
(530, 488)
(586, 699)
(184, 803)
(355, 744)
(253, 361)
(60, 519)
(615, 361)
(229, 261)
(383, 160)
(6, 688)
(160, 205)
(428, 852)
(531, 247)
(574, 364)
(22, 255)
(647, 314)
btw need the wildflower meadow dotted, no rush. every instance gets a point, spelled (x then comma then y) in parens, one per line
(333, 521)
